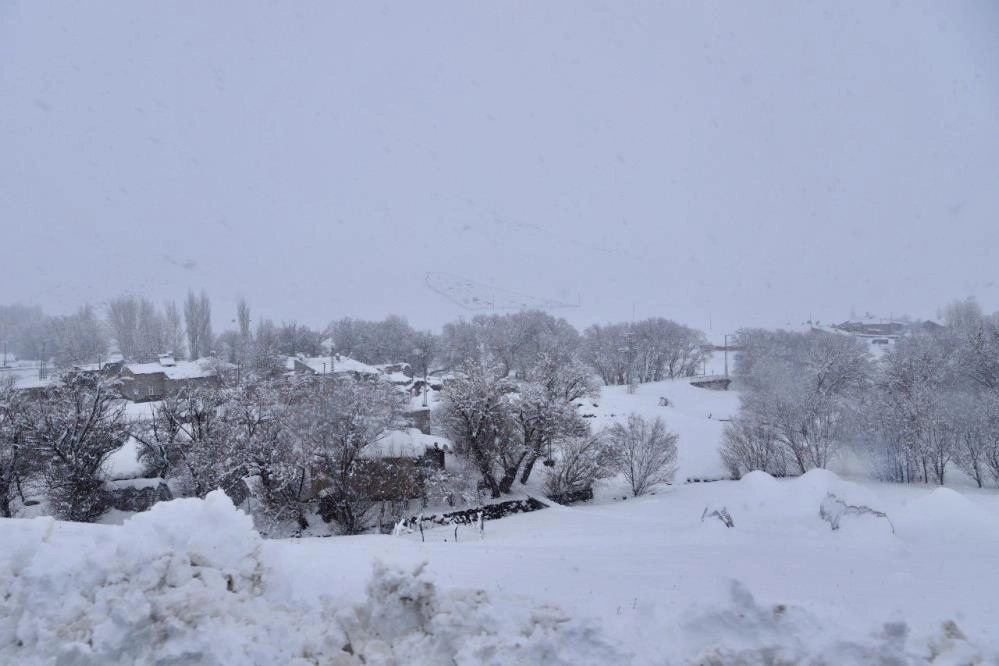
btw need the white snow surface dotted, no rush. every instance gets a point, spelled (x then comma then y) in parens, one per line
(191, 582)
(124, 462)
(642, 581)
(408, 443)
(695, 414)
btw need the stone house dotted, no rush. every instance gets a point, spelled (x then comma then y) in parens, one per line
(143, 382)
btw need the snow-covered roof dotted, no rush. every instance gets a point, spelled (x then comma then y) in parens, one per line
(26, 377)
(332, 364)
(408, 443)
(398, 378)
(181, 370)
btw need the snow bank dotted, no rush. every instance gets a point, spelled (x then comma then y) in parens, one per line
(190, 581)
(748, 632)
(124, 463)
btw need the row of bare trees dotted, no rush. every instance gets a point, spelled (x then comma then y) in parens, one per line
(645, 351)
(930, 405)
(505, 424)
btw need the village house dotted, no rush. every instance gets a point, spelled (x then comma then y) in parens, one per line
(143, 382)
(330, 365)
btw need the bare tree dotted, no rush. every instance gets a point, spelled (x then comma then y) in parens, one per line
(198, 322)
(475, 414)
(334, 420)
(173, 330)
(77, 338)
(748, 445)
(579, 461)
(804, 388)
(192, 436)
(644, 451)
(18, 458)
(543, 406)
(77, 426)
(243, 318)
(123, 320)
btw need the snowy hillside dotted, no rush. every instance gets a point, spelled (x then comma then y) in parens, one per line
(697, 415)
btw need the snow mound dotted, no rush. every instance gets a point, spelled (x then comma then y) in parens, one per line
(407, 620)
(191, 581)
(945, 512)
(799, 497)
(748, 632)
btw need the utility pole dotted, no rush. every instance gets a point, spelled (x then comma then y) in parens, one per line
(726, 355)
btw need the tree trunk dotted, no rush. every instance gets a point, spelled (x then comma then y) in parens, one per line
(510, 474)
(529, 465)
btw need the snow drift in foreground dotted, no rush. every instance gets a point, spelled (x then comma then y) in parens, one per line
(189, 582)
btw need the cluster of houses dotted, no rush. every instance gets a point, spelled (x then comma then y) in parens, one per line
(392, 460)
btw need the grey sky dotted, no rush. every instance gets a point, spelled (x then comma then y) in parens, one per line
(752, 161)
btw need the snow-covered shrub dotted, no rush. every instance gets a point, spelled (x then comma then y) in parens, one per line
(832, 510)
(749, 446)
(579, 461)
(644, 451)
(721, 513)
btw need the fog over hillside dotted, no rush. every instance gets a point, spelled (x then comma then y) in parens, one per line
(720, 164)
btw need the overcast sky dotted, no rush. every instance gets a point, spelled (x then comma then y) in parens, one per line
(719, 164)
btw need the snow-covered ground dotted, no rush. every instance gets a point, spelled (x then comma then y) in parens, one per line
(697, 415)
(642, 581)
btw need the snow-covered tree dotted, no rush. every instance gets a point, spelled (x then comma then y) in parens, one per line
(645, 351)
(610, 350)
(543, 405)
(513, 343)
(173, 330)
(198, 324)
(334, 420)
(748, 445)
(18, 456)
(77, 338)
(475, 415)
(192, 437)
(76, 426)
(644, 451)
(805, 389)
(578, 462)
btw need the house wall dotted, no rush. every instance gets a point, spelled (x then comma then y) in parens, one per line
(143, 388)
(420, 418)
